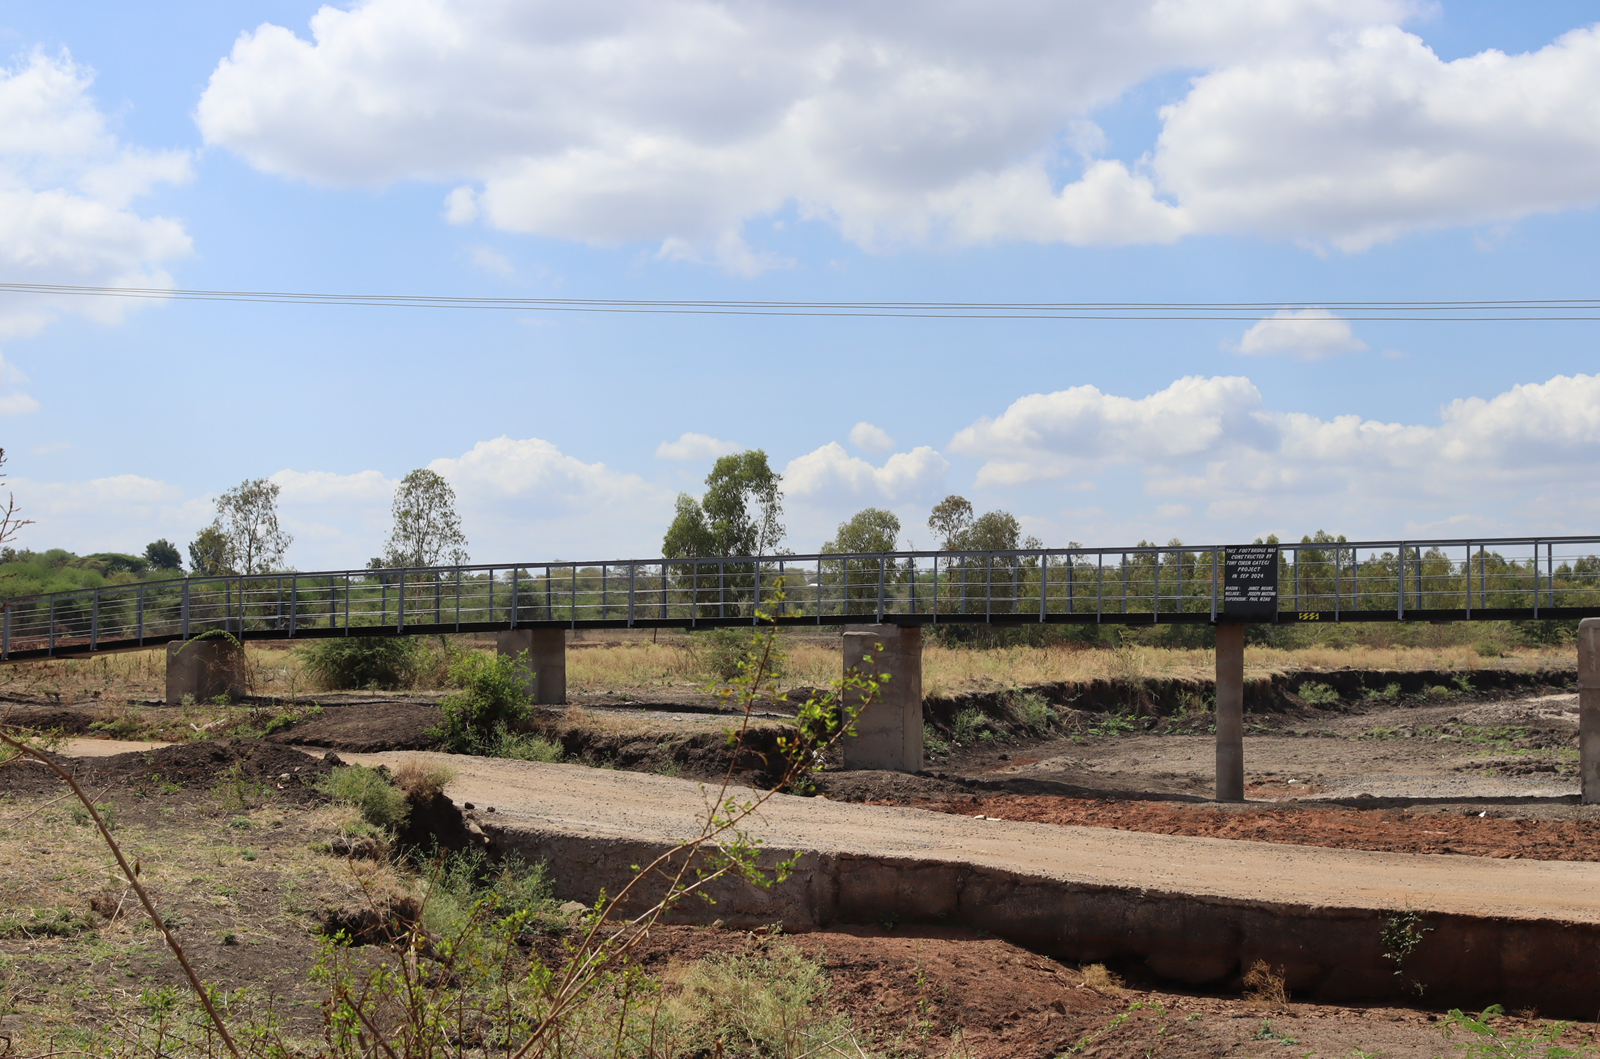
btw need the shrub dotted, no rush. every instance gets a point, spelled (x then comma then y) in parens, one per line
(1032, 711)
(386, 662)
(382, 804)
(763, 1004)
(420, 782)
(492, 701)
(969, 727)
(718, 652)
(527, 748)
(1317, 694)
(932, 744)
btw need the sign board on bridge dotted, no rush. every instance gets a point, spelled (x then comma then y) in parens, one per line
(1250, 582)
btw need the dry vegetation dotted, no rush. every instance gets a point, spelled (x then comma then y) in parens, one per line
(640, 661)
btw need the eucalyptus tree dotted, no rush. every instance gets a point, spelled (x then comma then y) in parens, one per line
(247, 518)
(427, 528)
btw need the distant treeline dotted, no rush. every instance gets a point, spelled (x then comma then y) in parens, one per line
(24, 572)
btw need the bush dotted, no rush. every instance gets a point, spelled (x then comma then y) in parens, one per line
(718, 652)
(770, 1003)
(527, 748)
(970, 726)
(1317, 694)
(492, 701)
(386, 662)
(1032, 711)
(382, 804)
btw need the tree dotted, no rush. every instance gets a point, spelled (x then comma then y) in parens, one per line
(163, 555)
(208, 552)
(247, 517)
(427, 529)
(739, 514)
(950, 520)
(10, 520)
(872, 531)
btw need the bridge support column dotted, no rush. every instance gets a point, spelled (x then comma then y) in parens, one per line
(204, 669)
(547, 657)
(1589, 708)
(888, 729)
(1230, 713)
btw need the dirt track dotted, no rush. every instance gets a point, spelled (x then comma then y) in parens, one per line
(608, 804)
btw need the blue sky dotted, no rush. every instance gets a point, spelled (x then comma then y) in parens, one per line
(1262, 150)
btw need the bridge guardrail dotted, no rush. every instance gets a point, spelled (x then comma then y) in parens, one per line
(1459, 579)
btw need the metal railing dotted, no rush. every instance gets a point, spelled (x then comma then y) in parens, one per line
(1429, 580)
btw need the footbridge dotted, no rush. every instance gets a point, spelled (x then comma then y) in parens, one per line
(881, 599)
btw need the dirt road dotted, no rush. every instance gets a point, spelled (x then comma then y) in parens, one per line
(607, 804)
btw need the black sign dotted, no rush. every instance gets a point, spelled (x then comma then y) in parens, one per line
(1250, 582)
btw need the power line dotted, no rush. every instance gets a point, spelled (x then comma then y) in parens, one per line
(1489, 310)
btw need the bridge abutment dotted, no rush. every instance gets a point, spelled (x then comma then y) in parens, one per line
(204, 669)
(547, 658)
(889, 728)
(1230, 712)
(1589, 708)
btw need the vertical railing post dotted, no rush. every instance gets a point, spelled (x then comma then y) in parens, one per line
(294, 603)
(883, 565)
(515, 600)
(1466, 569)
(183, 612)
(139, 617)
(819, 591)
(665, 604)
(347, 604)
(574, 595)
(94, 622)
(458, 599)
(400, 607)
(632, 569)
(1536, 579)
(52, 625)
(5, 633)
(1400, 585)
(1216, 554)
(756, 609)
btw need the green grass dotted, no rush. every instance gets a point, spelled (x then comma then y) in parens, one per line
(381, 803)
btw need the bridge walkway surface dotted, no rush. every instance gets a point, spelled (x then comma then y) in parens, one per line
(1191, 910)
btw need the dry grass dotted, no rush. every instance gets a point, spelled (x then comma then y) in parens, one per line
(240, 886)
(1264, 987)
(1097, 977)
(420, 781)
(809, 660)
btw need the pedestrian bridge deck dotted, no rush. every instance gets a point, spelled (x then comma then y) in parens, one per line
(1520, 578)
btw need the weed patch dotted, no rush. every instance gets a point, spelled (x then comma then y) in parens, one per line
(380, 802)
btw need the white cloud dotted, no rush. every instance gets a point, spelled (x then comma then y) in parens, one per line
(1375, 136)
(831, 474)
(65, 187)
(12, 400)
(491, 260)
(526, 499)
(692, 446)
(678, 121)
(1081, 430)
(872, 438)
(1305, 334)
(1214, 443)
(119, 513)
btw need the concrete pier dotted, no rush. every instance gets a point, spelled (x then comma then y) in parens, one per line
(1589, 708)
(204, 669)
(888, 729)
(1230, 713)
(547, 657)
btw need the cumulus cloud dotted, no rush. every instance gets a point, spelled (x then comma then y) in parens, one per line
(1376, 136)
(1081, 430)
(680, 120)
(830, 473)
(1305, 334)
(1214, 442)
(117, 513)
(692, 446)
(66, 184)
(864, 435)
